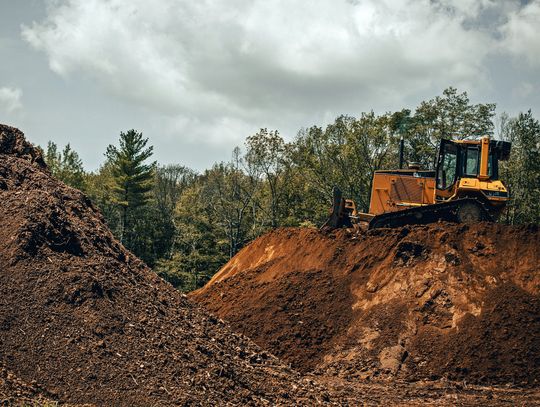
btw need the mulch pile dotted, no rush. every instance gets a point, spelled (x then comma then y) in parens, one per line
(441, 301)
(84, 321)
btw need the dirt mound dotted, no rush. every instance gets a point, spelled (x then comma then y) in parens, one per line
(425, 302)
(84, 321)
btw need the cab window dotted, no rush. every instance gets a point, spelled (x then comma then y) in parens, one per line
(471, 162)
(447, 167)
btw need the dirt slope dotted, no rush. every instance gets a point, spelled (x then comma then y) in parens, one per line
(425, 302)
(86, 322)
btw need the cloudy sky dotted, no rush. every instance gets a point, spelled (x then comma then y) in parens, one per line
(197, 77)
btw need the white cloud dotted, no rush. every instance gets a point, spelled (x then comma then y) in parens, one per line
(217, 67)
(10, 99)
(521, 33)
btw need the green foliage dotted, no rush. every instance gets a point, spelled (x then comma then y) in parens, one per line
(132, 180)
(229, 194)
(266, 156)
(201, 246)
(100, 187)
(132, 176)
(65, 165)
(170, 183)
(451, 116)
(522, 172)
(346, 154)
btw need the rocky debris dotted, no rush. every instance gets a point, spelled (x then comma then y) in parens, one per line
(440, 301)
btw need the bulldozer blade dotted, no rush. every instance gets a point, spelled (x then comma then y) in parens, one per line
(335, 220)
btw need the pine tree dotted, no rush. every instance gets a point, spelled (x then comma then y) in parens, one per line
(132, 181)
(66, 165)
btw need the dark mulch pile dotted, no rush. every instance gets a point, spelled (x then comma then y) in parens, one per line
(87, 322)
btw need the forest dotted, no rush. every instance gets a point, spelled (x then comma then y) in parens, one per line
(186, 224)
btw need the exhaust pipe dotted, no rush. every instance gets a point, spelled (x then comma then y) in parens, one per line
(401, 148)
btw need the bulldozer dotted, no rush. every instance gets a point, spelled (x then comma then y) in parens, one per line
(464, 188)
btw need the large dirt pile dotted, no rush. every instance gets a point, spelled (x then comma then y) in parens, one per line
(84, 321)
(425, 302)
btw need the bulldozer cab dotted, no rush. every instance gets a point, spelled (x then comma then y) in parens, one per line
(470, 168)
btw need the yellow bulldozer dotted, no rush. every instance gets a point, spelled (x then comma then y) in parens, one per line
(464, 187)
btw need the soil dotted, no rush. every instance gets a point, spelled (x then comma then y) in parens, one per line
(15, 391)
(84, 322)
(87, 322)
(442, 301)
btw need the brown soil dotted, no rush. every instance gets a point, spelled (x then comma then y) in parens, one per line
(443, 301)
(83, 322)
(87, 322)
(14, 391)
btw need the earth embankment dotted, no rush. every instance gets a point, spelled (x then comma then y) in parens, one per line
(451, 301)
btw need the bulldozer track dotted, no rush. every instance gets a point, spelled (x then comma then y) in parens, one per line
(446, 211)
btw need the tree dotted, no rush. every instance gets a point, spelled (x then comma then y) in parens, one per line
(522, 172)
(100, 186)
(66, 165)
(266, 155)
(132, 181)
(345, 154)
(169, 184)
(229, 193)
(201, 246)
(451, 116)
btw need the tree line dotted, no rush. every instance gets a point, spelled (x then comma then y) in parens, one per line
(186, 224)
